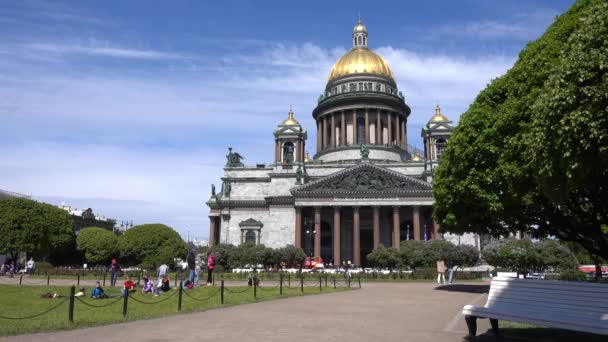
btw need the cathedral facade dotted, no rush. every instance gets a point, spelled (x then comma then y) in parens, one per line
(364, 187)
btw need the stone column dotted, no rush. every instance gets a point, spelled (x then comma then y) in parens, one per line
(325, 132)
(404, 134)
(396, 228)
(277, 155)
(366, 126)
(303, 151)
(356, 238)
(258, 235)
(378, 128)
(333, 131)
(297, 152)
(435, 230)
(376, 227)
(354, 127)
(336, 239)
(390, 126)
(319, 143)
(416, 222)
(242, 236)
(299, 227)
(212, 231)
(342, 129)
(398, 129)
(318, 232)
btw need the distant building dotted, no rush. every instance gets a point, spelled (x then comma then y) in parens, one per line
(86, 218)
(200, 243)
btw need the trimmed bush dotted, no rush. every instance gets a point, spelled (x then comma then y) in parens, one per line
(572, 275)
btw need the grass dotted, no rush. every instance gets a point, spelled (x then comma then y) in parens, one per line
(22, 301)
(536, 333)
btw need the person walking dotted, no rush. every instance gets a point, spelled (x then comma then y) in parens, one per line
(197, 274)
(29, 267)
(441, 271)
(210, 267)
(114, 270)
(162, 272)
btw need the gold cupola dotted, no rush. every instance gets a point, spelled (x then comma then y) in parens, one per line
(360, 59)
(290, 121)
(438, 117)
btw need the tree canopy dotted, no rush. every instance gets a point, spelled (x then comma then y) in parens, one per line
(531, 152)
(151, 245)
(32, 227)
(98, 245)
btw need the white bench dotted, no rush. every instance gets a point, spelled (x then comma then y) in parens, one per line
(569, 305)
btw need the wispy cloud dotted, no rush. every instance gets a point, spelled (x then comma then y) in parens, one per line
(106, 51)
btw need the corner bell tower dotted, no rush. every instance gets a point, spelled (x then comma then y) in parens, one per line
(290, 143)
(435, 134)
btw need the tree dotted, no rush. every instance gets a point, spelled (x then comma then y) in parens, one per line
(435, 250)
(464, 256)
(151, 245)
(412, 253)
(99, 245)
(292, 255)
(32, 227)
(556, 256)
(530, 153)
(383, 257)
(226, 256)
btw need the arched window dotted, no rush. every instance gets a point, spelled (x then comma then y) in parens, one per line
(359, 40)
(250, 237)
(288, 153)
(360, 131)
(440, 144)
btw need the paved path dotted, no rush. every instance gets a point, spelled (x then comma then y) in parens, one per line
(378, 312)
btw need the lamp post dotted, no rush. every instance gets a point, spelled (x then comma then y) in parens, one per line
(425, 236)
(407, 231)
(309, 233)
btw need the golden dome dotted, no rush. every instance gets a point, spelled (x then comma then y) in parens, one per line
(307, 158)
(359, 61)
(438, 117)
(416, 158)
(290, 121)
(359, 28)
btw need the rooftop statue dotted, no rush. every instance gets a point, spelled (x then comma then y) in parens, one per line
(233, 159)
(364, 151)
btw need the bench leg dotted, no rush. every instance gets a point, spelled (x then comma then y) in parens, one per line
(472, 325)
(494, 323)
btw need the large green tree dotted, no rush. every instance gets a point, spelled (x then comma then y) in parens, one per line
(151, 245)
(98, 245)
(383, 257)
(530, 152)
(34, 228)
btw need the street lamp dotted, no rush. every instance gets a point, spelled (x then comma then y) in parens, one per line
(425, 236)
(407, 231)
(309, 232)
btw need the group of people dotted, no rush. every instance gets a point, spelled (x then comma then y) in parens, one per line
(10, 267)
(194, 268)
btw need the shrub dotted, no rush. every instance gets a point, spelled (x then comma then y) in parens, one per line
(572, 275)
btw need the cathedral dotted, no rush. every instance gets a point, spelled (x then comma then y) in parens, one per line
(364, 187)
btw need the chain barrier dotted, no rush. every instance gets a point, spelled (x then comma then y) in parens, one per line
(38, 314)
(29, 281)
(201, 299)
(227, 289)
(160, 301)
(98, 306)
(63, 282)
(269, 288)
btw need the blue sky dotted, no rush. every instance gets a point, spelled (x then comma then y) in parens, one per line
(128, 107)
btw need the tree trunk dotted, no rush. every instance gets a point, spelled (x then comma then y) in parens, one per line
(598, 268)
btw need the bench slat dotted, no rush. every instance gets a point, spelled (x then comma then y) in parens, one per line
(575, 302)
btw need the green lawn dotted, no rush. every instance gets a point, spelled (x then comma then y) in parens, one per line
(23, 301)
(535, 333)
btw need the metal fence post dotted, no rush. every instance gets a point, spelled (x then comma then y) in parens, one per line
(104, 278)
(175, 283)
(138, 277)
(302, 283)
(48, 279)
(348, 275)
(78, 280)
(179, 298)
(289, 279)
(359, 281)
(71, 306)
(222, 292)
(125, 303)
(320, 284)
(20, 279)
(326, 276)
(334, 282)
(281, 284)
(255, 289)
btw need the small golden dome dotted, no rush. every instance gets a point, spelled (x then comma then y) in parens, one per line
(359, 28)
(360, 61)
(438, 117)
(290, 121)
(416, 158)
(307, 158)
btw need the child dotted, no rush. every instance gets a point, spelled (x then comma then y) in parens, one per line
(128, 286)
(148, 285)
(80, 293)
(98, 292)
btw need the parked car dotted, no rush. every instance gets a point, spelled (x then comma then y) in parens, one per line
(314, 263)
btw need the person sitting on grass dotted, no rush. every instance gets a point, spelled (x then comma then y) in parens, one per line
(188, 285)
(98, 292)
(148, 285)
(164, 285)
(80, 293)
(127, 286)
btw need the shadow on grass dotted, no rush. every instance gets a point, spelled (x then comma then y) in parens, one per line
(536, 334)
(468, 288)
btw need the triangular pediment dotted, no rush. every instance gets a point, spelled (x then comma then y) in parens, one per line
(288, 130)
(365, 179)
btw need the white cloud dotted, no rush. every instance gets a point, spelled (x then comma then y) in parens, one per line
(101, 50)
